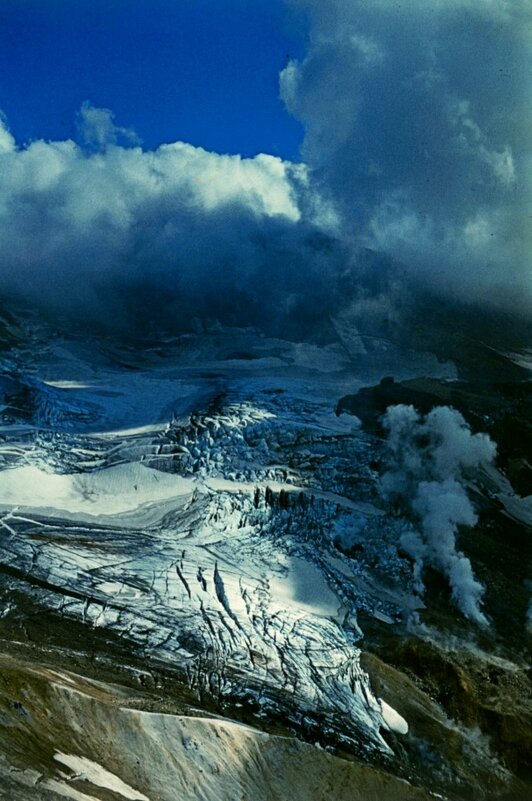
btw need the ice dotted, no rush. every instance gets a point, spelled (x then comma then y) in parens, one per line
(186, 503)
(304, 589)
(109, 492)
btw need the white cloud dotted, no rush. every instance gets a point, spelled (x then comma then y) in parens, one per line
(165, 235)
(7, 142)
(97, 128)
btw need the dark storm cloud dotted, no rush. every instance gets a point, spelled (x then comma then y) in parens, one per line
(417, 120)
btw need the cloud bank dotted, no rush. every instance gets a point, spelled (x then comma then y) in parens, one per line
(427, 457)
(119, 234)
(419, 129)
(417, 146)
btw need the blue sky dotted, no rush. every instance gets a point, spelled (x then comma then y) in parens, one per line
(201, 71)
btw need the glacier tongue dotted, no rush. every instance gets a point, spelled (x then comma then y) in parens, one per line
(203, 533)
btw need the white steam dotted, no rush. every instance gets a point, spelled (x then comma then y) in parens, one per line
(427, 457)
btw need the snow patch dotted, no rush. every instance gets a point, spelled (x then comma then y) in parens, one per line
(393, 719)
(67, 791)
(87, 770)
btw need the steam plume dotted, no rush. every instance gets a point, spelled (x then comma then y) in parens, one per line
(427, 458)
